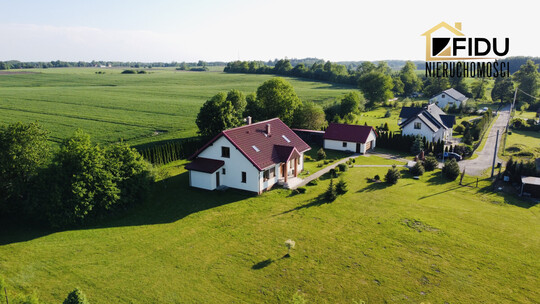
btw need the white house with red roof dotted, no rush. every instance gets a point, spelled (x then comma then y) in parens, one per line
(352, 138)
(253, 157)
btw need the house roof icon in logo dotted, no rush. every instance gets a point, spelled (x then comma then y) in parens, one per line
(437, 48)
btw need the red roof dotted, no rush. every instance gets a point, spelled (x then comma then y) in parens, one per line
(205, 165)
(261, 149)
(350, 133)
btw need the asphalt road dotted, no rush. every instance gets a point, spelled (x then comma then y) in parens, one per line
(485, 157)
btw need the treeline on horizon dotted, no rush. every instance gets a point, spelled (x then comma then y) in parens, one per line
(346, 72)
(515, 63)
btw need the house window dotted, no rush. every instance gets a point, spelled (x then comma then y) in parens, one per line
(418, 125)
(268, 174)
(344, 144)
(442, 96)
(225, 152)
(223, 171)
(244, 177)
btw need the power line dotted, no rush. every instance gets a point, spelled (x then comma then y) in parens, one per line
(527, 94)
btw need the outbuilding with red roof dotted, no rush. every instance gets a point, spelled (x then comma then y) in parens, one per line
(253, 157)
(352, 138)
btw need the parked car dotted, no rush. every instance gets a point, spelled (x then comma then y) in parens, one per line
(450, 155)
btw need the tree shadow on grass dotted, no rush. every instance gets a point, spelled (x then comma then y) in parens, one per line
(262, 264)
(510, 198)
(318, 201)
(169, 200)
(375, 186)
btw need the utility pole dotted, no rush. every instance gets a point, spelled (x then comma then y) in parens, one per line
(508, 122)
(495, 154)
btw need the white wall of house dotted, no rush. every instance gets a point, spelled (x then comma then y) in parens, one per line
(202, 180)
(371, 137)
(443, 99)
(234, 166)
(338, 145)
(350, 146)
(271, 181)
(424, 130)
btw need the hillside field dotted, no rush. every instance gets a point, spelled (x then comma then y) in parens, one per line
(138, 108)
(424, 240)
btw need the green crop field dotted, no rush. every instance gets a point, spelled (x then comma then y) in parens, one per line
(424, 240)
(137, 108)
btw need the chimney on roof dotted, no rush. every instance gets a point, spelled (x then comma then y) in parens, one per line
(268, 129)
(248, 120)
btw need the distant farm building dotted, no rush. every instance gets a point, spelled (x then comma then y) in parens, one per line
(450, 98)
(352, 138)
(253, 157)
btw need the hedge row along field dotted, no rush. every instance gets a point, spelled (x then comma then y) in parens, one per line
(163, 153)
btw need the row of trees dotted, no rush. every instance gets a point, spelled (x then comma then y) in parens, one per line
(79, 181)
(15, 64)
(405, 143)
(163, 153)
(379, 83)
(274, 98)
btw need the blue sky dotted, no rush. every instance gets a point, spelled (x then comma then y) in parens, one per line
(163, 30)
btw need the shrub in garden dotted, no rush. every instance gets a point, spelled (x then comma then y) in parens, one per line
(392, 176)
(341, 187)
(417, 169)
(430, 163)
(330, 195)
(451, 169)
(313, 182)
(76, 297)
(343, 167)
(418, 145)
(377, 177)
(321, 154)
(301, 190)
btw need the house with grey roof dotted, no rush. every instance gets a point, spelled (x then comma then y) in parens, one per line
(429, 121)
(449, 98)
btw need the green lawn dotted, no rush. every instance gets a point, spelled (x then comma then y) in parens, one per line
(162, 104)
(375, 118)
(312, 165)
(523, 145)
(418, 241)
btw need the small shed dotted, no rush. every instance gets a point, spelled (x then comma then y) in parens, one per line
(530, 185)
(352, 138)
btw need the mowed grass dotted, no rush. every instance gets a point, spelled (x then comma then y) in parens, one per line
(424, 240)
(140, 108)
(523, 145)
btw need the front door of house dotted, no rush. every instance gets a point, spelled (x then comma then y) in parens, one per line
(217, 179)
(282, 169)
(357, 147)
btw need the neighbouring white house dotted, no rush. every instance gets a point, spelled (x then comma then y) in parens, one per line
(253, 157)
(449, 98)
(353, 138)
(429, 121)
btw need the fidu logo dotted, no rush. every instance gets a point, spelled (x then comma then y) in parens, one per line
(452, 47)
